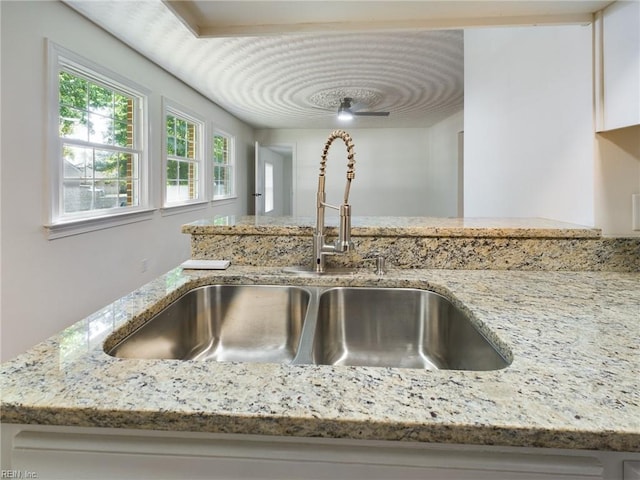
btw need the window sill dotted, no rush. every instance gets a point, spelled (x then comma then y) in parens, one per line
(177, 209)
(85, 225)
(224, 201)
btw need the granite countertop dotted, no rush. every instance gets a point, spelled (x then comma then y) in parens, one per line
(573, 383)
(396, 226)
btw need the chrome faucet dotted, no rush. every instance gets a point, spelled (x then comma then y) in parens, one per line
(343, 244)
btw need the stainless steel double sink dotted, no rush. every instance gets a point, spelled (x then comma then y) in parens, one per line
(357, 326)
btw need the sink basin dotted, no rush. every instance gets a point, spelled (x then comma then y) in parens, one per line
(357, 326)
(396, 327)
(250, 323)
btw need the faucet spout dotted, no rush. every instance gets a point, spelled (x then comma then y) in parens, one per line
(343, 244)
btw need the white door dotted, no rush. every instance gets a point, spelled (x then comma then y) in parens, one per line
(273, 180)
(258, 194)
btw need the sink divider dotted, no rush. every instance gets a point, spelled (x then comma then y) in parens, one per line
(305, 347)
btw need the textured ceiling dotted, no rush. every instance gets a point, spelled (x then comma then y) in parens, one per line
(296, 80)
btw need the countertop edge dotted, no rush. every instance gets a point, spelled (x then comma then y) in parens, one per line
(398, 226)
(429, 232)
(303, 427)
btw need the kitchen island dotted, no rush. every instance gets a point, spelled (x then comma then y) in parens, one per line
(532, 244)
(572, 336)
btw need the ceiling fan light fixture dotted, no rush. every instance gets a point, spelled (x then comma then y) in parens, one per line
(344, 114)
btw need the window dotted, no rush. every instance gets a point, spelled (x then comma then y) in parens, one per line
(184, 157)
(223, 174)
(98, 161)
(268, 187)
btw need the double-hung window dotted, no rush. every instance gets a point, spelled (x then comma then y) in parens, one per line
(98, 166)
(223, 166)
(184, 154)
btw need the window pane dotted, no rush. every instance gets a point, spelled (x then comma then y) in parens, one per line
(193, 181)
(183, 170)
(78, 179)
(101, 129)
(127, 186)
(73, 198)
(122, 108)
(183, 190)
(133, 198)
(73, 123)
(172, 170)
(193, 173)
(123, 134)
(73, 91)
(76, 161)
(171, 146)
(106, 164)
(181, 130)
(172, 192)
(100, 99)
(181, 147)
(127, 166)
(171, 135)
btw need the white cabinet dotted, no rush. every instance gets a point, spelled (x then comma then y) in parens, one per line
(94, 453)
(618, 66)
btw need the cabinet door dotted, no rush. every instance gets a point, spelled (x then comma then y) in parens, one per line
(618, 66)
(63, 453)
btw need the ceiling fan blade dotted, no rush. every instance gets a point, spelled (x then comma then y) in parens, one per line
(371, 114)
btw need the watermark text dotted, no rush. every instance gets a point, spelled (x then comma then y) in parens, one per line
(18, 474)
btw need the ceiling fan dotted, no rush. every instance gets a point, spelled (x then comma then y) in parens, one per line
(346, 112)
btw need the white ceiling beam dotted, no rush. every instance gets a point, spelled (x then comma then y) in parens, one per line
(203, 31)
(213, 18)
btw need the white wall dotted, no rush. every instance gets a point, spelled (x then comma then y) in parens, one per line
(399, 171)
(50, 284)
(528, 127)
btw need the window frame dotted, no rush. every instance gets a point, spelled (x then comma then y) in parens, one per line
(231, 164)
(169, 107)
(59, 223)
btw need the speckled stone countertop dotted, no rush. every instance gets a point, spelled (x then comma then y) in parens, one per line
(397, 226)
(419, 242)
(574, 338)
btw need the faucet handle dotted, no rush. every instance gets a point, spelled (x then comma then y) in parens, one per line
(381, 265)
(381, 262)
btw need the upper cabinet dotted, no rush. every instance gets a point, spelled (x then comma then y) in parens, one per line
(618, 66)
